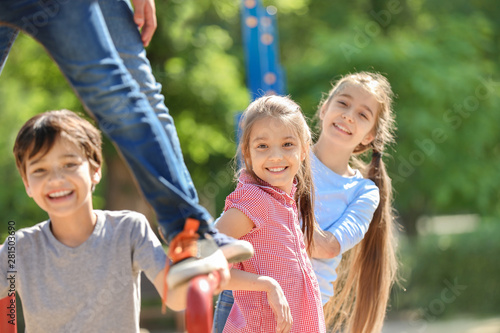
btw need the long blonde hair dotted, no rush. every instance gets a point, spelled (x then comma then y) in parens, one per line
(288, 113)
(368, 271)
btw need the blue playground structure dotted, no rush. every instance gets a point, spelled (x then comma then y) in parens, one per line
(259, 27)
(265, 75)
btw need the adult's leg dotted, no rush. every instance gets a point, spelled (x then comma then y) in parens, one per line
(126, 38)
(7, 37)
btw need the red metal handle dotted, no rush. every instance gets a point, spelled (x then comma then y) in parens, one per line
(199, 309)
(8, 315)
(8, 321)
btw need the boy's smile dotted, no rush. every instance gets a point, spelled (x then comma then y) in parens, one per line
(61, 181)
(275, 153)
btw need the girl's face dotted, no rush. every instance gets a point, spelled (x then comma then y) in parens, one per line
(275, 152)
(61, 181)
(349, 117)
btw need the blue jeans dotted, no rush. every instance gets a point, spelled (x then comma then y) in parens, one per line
(104, 67)
(222, 309)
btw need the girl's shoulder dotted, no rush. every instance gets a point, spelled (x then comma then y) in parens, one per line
(358, 186)
(247, 193)
(251, 201)
(325, 176)
(329, 184)
(258, 200)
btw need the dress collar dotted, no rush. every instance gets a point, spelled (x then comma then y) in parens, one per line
(247, 178)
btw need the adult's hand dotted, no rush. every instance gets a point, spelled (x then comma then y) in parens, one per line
(145, 18)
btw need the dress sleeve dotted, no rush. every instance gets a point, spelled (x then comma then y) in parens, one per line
(353, 224)
(251, 201)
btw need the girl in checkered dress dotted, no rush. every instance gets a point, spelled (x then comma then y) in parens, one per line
(276, 290)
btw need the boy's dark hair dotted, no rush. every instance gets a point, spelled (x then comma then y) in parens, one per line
(39, 134)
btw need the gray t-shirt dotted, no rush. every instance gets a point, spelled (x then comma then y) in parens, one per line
(94, 287)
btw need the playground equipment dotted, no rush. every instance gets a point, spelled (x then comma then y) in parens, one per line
(199, 309)
(8, 322)
(265, 76)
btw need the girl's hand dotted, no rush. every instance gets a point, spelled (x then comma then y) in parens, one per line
(220, 278)
(241, 280)
(280, 307)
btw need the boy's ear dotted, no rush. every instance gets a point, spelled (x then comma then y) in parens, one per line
(27, 188)
(96, 176)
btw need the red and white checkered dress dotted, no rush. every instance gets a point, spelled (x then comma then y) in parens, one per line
(280, 253)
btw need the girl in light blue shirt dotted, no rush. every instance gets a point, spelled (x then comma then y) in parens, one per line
(353, 203)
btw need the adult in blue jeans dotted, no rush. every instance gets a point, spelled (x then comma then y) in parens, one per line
(100, 50)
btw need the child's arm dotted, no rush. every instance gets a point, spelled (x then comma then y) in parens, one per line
(350, 228)
(241, 280)
(177, 297)
(236, 224)
(325, 246)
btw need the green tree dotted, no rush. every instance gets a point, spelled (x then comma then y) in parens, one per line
(441, 65)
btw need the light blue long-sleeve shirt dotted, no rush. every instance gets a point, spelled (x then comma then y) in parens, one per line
(344, 206)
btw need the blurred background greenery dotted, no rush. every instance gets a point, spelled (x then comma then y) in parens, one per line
(442, 59)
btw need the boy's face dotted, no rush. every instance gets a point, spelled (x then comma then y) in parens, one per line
(61, 181)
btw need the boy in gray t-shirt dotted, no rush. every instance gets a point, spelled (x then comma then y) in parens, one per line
(79, 271)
